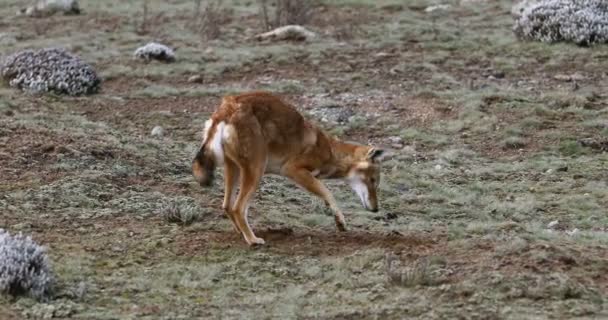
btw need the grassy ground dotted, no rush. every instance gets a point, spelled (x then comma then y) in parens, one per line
(488, 153)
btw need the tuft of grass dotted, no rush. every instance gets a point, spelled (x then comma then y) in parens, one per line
(513, 142)
(181, 214)
(571, 148)
(426, 271)
(211, 19)
(285, 12)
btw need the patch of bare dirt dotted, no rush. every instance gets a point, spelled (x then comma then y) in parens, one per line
(26, 154)
(585, 264)
(143, 114)
(312, 243)
(422, 110)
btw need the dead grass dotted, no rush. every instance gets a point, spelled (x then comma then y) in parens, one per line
(210, 19)
(277, 13)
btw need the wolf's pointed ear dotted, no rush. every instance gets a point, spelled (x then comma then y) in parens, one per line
(377, 155)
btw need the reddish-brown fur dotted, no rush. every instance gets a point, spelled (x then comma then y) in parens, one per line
(260, 133)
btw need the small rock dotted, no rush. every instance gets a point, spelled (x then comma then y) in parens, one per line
(158, 131)
(438, 167)
(383, 55)
(395, 70)
(562, 77)
(395, 139)
(439, 7)
(289, 32)
(195, 79)
(553, 224)
(45, 8)
(408, 150)
(568, 78)
(549, 171)
(577, 77)
(572, 232)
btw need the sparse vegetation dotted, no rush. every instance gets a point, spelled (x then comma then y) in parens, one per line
(285, 12)
(24, 267)
(182, 214)
(494, 139)
(155, 51)
(422, 272)
(583, 22)
(211, 18)
(143, 27)
(49, 70)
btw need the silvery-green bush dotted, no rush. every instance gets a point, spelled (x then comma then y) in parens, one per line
(155, 51)
(49, 70)
(24, 267)
(583, 22)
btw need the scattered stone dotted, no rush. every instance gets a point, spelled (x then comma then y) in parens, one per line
(395, 139)
(439, 7)
(396, 142)
(395, 70)
(195, 79)
(290, 32)
(568, 78)
(438, 167)
(155, 51)
(408, 150)
(49, 70)
(572, 232)
(384, 55)
(562, 77)
(158, 132)
(45, 8)
(562, 169)
(552, 224)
